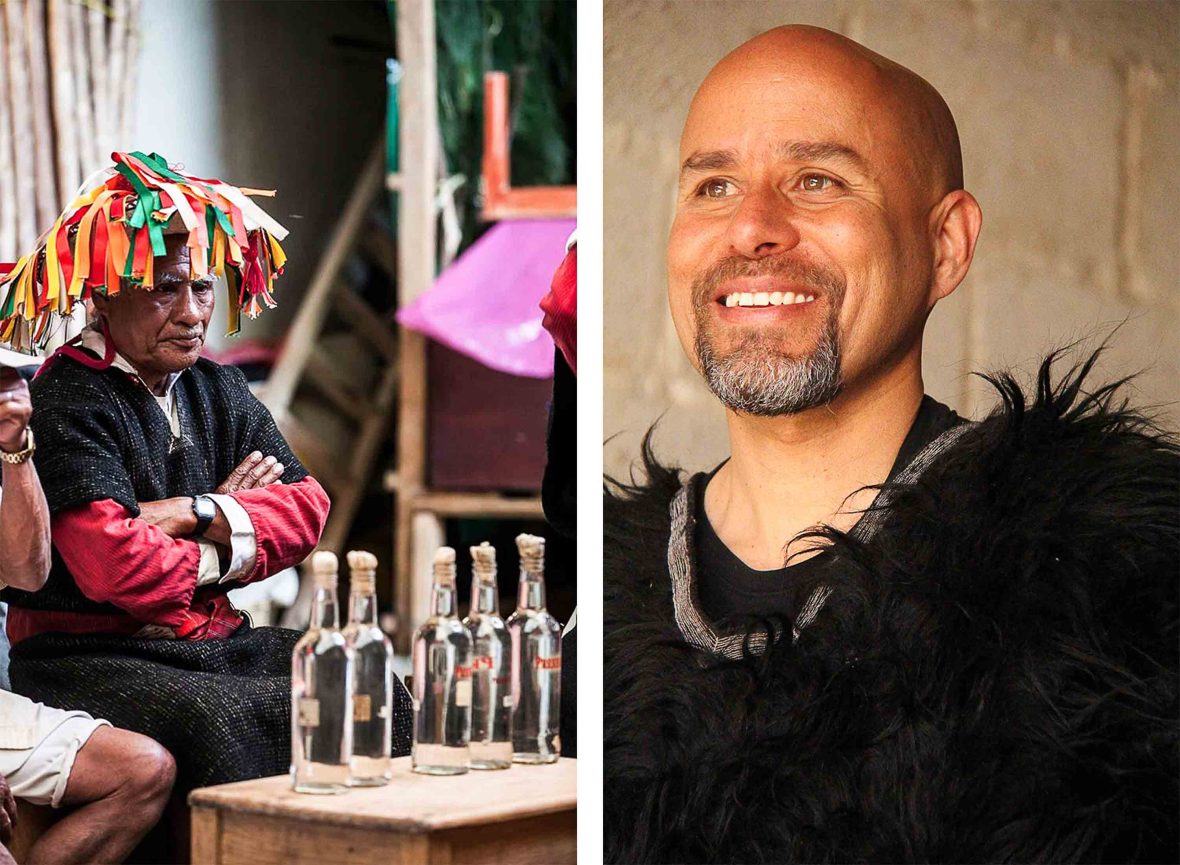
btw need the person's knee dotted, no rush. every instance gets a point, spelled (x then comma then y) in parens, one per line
(151, 771)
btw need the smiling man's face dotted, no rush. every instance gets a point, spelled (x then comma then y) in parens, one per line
(162, 330)
(801, 258)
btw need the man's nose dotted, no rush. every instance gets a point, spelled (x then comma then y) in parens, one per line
(763, 224)
(188, 309)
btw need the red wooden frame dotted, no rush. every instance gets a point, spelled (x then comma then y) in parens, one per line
(500, 200)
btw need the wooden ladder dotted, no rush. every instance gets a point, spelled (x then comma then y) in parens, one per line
(303, 359)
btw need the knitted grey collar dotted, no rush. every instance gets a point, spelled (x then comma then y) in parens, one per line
(690, 618)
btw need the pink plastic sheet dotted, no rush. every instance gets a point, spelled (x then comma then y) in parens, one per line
(485, 304)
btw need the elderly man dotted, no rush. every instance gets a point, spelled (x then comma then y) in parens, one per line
(116, 782)
(168, 482)
(876, 633)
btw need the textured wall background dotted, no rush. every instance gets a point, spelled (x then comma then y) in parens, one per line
(1069, 115)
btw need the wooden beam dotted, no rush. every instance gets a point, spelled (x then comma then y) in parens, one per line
(417, 251)
(479, 505)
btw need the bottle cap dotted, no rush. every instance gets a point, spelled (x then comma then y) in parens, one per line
(444, 566)
(532, 553)
(363, 565)
(324, 567)
(483, 562)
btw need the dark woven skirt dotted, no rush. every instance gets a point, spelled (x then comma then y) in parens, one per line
(222, 707)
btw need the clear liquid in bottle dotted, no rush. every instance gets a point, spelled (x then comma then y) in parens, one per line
(321, 692)
(442, 680)
(536, 662)
(491, 667)
(373, 680)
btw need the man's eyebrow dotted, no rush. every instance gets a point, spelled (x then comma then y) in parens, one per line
(176, 279)
(822, 151)
(709, 160)
(800, 151)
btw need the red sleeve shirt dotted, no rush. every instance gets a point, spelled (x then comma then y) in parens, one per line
(560, 306)
(119, 559)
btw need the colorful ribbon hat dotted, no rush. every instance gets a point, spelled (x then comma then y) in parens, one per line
(109, 235)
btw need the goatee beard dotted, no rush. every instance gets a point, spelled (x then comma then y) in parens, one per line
(754, 377)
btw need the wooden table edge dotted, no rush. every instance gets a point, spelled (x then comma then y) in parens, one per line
(214, 802)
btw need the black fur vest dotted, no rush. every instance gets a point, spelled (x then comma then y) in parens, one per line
(993, 678)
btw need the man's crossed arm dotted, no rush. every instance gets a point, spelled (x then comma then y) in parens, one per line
(150, 568)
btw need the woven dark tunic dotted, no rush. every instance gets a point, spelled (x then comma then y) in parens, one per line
(222, 707)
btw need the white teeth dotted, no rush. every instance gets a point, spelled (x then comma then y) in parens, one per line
(762, 298)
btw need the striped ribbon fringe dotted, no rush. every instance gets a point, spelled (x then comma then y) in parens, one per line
(111, 233)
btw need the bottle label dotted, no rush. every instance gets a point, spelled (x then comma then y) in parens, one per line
(547, 663)
(362, 707)
(309, 712)
(463, 692)
(507, 701)
(483, 662)
(462, 672)
(383, 712)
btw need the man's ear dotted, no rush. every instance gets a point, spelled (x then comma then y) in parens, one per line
(954, 224)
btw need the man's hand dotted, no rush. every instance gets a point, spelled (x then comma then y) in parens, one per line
(255, 471)
(15, 409)
(174, 516)
(7, 813)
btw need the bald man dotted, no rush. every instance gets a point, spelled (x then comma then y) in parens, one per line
(877, 632)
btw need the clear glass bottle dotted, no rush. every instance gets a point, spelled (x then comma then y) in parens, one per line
(491, 666)
(536, 662)
(442, 680)
(372, 700)
(321, 692)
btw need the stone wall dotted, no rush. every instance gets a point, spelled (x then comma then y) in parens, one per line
(1069, 116)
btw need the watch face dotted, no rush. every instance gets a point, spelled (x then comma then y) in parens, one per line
(203, 507)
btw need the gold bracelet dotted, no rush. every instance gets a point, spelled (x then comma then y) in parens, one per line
(22, 455)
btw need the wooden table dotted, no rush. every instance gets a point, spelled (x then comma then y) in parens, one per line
(517, 816)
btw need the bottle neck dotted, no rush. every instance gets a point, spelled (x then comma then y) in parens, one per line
(531, 593)
(484, 597)
(442, 599)
(324, 610)
(362, 609)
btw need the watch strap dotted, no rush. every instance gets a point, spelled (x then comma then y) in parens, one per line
(23, 455)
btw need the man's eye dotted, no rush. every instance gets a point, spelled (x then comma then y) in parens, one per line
(817, 183)
(716, 188)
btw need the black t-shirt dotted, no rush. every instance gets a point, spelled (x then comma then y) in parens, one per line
(730, 591)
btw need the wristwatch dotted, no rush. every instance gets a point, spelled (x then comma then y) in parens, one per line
(205, 511)
(22, 455)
